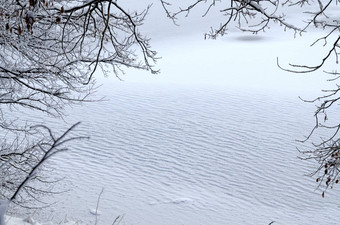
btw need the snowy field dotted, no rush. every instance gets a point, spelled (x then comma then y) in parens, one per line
(210, 140)
(183, 155)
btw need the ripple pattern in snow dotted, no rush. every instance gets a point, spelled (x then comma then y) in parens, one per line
(170, 155)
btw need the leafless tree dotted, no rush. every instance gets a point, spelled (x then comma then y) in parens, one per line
(49, 52)
(258, 15)
(50, 49)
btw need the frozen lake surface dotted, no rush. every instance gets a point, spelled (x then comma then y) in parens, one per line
(168, 154)
(210, 140)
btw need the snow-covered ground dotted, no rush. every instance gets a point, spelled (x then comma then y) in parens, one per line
(30, 221)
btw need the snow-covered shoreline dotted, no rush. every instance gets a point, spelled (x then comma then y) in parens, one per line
(10, 220)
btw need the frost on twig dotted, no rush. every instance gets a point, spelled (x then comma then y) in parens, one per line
(50, 50)
(248, 15)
